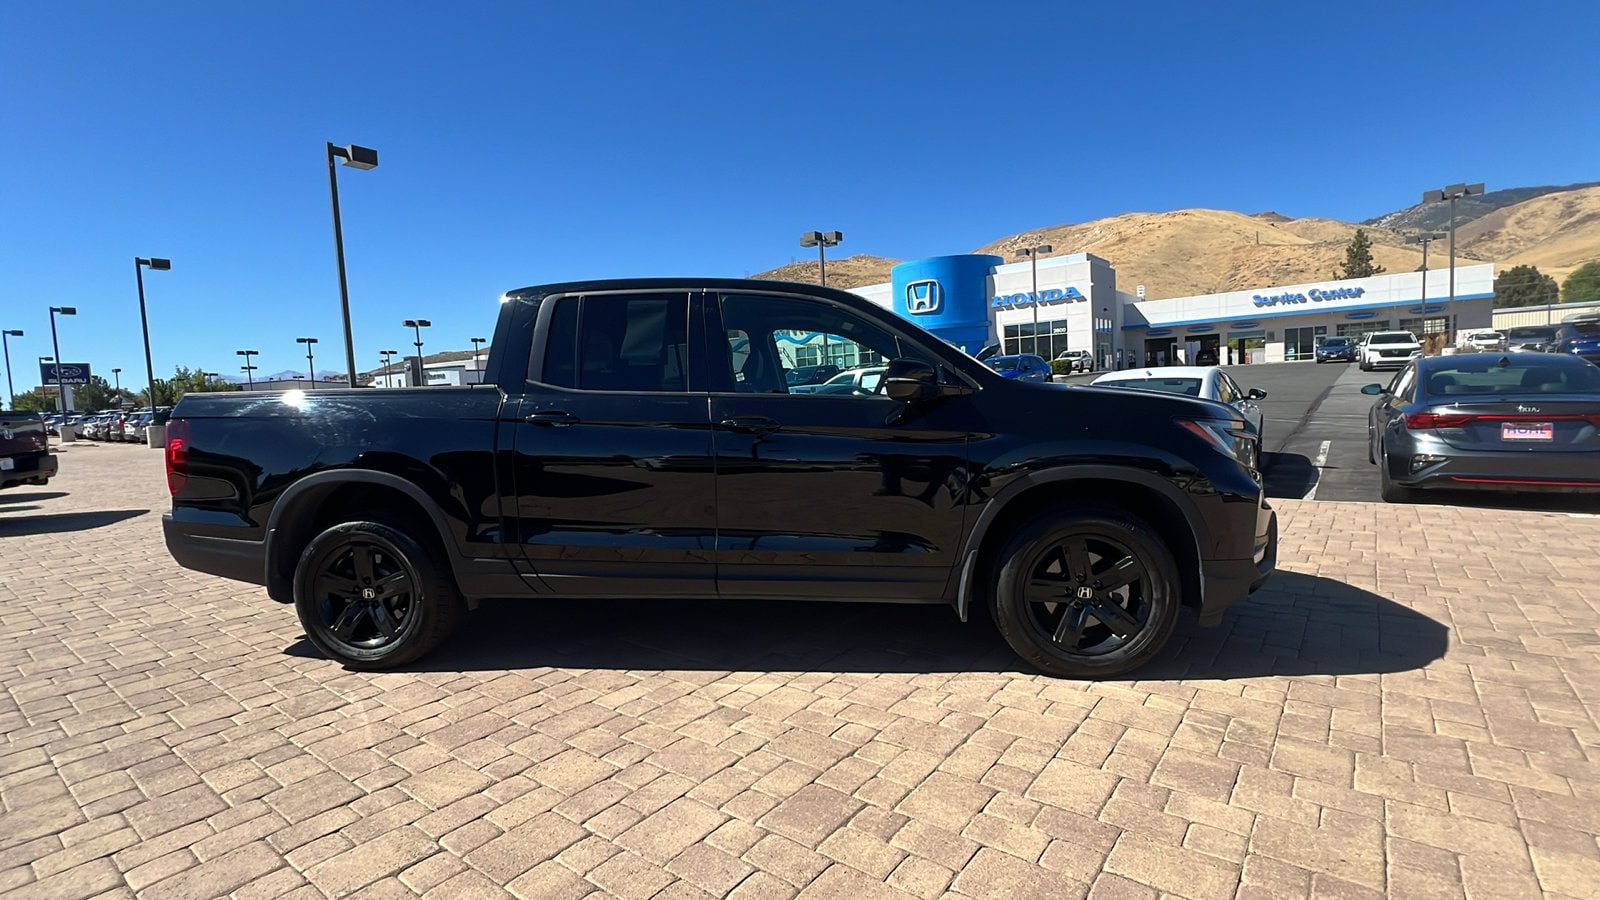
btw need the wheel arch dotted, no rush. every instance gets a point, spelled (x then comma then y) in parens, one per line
(320, 501)
(1171, 515)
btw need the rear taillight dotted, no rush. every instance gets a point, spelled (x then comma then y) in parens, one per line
(1416, 421)
(177, 455)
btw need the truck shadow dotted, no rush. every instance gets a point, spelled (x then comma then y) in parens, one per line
(1297, 624)
(34, 497)
(58, 523)
(1287, 475)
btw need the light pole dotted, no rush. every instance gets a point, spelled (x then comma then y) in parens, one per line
(155, 264)
(4, 343)
(821, 240)
(205, 378)
(248, 369)
(1452, 193)
(417, 325)
(477, 343)
(61, 388)
(388, 366)
(117, 374)
(311, 364)
(1032, 253)
(356, 158)
(1424, 240)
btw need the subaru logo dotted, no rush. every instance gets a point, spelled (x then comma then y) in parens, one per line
(924, 297)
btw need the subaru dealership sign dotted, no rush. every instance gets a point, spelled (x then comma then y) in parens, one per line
(70, 373)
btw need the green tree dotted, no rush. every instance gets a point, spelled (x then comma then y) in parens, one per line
(1358, 258)
(97, 394)
(32, 402)
(1524, 286)
(1583, 284)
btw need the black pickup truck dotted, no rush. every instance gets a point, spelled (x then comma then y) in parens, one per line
(25, 456)
(638, 439)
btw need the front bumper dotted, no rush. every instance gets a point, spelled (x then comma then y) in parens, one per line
(1225, 582)
(37, 470)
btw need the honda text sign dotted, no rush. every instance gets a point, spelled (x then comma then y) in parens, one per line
(70, 373)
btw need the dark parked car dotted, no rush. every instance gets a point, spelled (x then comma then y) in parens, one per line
(1022, 367)
(1206, 357)
(1579, 335)
(1336, 349)
(1489, 421)
(25, 456)
(637, 439)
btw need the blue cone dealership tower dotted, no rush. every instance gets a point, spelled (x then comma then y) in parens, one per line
(948, 295)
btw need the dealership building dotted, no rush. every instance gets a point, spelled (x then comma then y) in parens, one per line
(1073, 303)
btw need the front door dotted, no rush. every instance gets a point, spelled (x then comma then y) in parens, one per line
(840, 493)
(614, 486)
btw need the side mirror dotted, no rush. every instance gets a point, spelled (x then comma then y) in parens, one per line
(1373, 390)
(1256, 394)
(910, 381)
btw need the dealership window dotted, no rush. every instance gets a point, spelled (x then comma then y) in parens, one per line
(1299, 343)
(1421, 326)
(1052, 338)
(1357, 329)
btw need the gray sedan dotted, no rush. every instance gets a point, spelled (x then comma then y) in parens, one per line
(1487, 421)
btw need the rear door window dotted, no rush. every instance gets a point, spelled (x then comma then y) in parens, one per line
(634, 343)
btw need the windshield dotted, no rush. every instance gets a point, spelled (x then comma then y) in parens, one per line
(1393, 337)
(1004, 363)
(1190, 386)
(1531, 333)
(1336, 342)
(1585, 328)
(1536, 376)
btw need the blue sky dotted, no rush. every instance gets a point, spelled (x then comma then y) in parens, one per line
(523, 143)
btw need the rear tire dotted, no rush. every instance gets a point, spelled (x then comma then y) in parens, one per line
(371, 596)
(1086, 593)
(1387, 489)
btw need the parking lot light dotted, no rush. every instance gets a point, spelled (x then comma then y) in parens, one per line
(4, 334)
(417, 325)
(154, 264)
(248, 369)
(311, 363)
(355, 157)
(1452, 193)
(1032, 253)
(477, 344)
(822, 240)
(61, 388)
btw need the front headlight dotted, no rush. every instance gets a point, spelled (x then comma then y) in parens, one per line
(1231, 438)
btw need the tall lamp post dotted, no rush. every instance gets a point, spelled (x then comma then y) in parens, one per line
(1452, 193)
(356, 158)
(154, 264)
(247, 368)
(4, 343)
(417, 325)
(821, 240)
(388, 366)
(1032, 253)
(61, 388)
(1424, 240)
(117, 374)
(477, 344)
(311, 363)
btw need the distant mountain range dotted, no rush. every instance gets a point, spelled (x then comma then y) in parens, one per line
(1202, 251)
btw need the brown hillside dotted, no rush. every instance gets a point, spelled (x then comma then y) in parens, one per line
(1556, 232)
(1199, 251)
(849, 272)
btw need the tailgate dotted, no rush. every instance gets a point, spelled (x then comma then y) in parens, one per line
(21, 435)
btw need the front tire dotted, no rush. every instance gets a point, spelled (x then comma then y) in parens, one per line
(1086, 593)
(371, 596)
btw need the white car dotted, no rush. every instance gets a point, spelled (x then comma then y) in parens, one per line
(1484, 342)
(860, 382)
(1082, 360)
(1388, 349)
(1205, 382)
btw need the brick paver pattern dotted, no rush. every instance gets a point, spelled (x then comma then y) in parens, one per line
(1407, 710)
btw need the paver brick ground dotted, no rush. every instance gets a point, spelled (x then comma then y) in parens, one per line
(1409, 708)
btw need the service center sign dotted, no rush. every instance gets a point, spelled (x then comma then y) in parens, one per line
(71, 373)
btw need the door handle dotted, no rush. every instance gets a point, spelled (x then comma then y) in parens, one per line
(553, 417)
(757, 425)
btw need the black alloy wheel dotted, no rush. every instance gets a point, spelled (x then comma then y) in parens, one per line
(371, 596)
(1086, 593)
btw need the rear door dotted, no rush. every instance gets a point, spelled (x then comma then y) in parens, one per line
(828, 495)
(614, 491)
